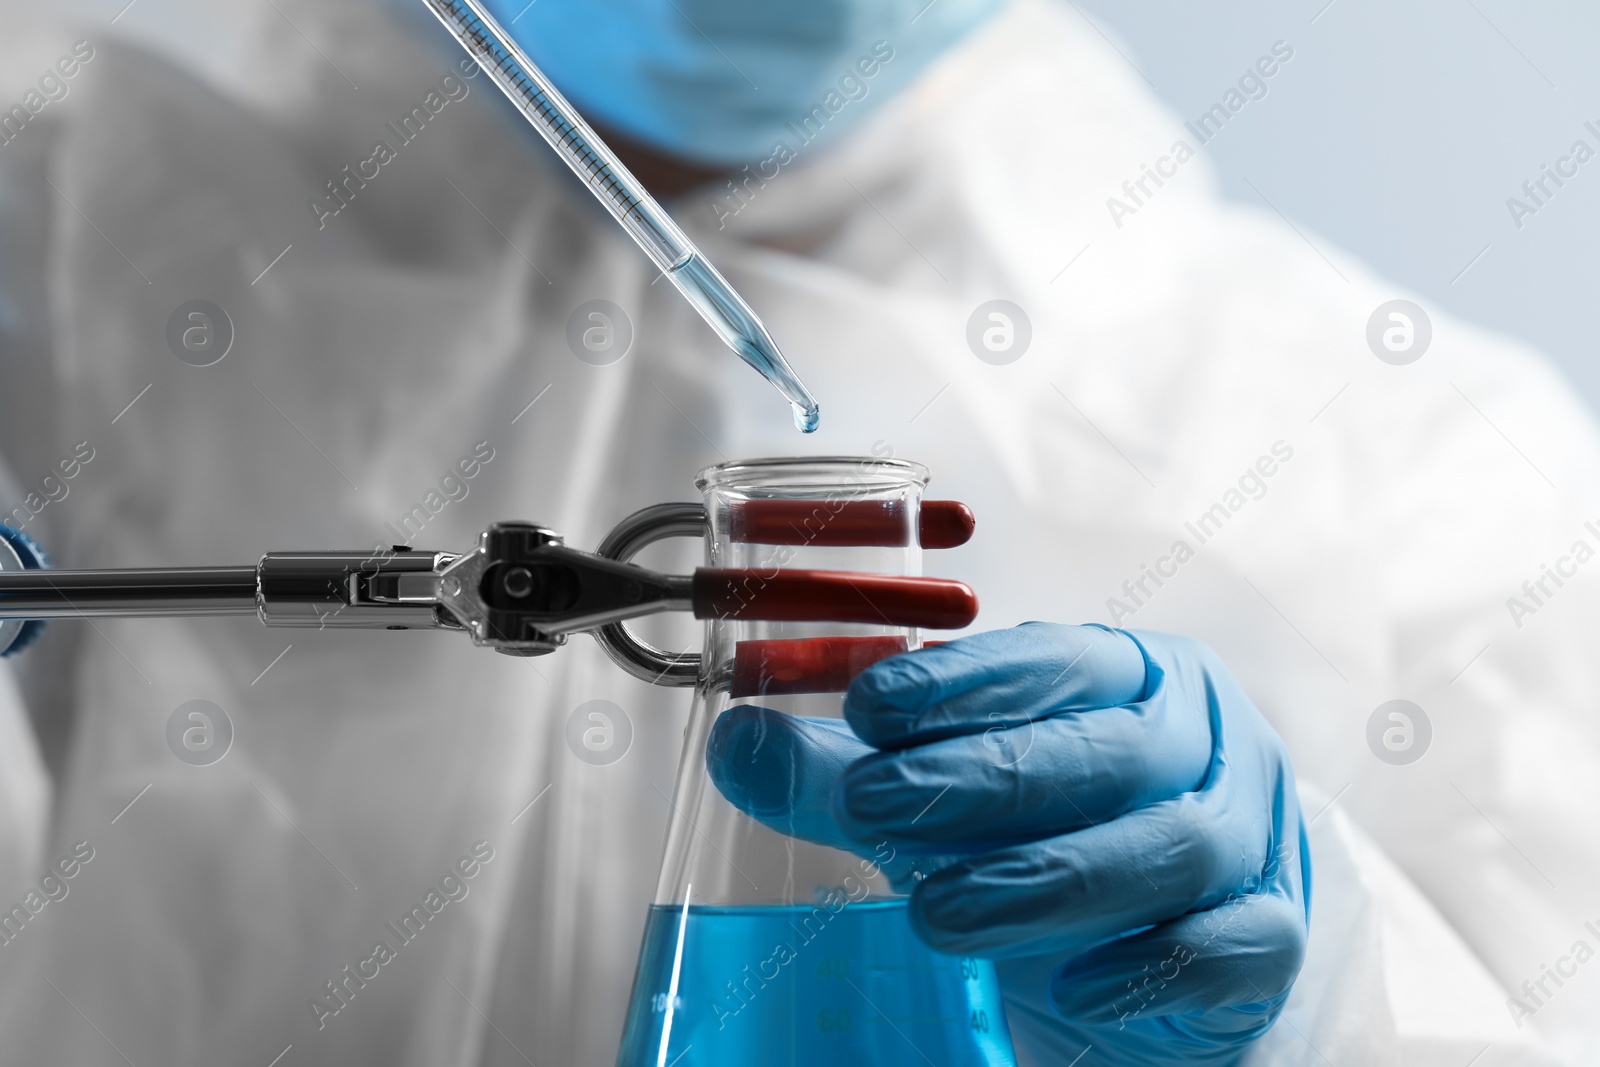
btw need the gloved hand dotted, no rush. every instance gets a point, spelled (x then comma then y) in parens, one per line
(1105, 813)
(722, 81)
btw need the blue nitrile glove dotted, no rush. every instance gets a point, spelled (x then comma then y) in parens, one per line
(725, 81)
(1104, 813)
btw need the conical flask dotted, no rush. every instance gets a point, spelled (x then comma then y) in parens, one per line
(762, 949)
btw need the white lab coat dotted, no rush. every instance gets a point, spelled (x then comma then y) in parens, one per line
(1167, 356)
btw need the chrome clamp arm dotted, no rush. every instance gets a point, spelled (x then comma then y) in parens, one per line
(519, 591)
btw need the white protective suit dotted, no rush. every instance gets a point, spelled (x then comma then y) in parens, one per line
(379, 350)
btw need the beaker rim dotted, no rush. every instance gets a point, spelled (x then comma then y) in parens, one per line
(860, 471)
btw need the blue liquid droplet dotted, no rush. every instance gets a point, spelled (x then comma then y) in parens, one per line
(734, 321)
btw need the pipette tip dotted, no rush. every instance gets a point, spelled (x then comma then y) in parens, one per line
(806, 419)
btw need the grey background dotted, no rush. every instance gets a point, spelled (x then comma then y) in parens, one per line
(1397, 133)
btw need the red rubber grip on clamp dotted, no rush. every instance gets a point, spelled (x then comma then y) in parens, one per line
(832, 596)
(806, 665)
(864, 523)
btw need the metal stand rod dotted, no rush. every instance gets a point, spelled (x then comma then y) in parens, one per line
(69, 594)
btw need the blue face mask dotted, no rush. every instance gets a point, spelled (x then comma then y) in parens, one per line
(723, 81)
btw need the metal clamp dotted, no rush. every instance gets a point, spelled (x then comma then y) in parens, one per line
(631, 535)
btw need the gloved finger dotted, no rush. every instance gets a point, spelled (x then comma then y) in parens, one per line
(783, 769)
(999, 678)
(1243, 954)
(1037, 780)
(1069, 892)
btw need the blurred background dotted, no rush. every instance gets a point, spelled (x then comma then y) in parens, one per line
(1401, 129)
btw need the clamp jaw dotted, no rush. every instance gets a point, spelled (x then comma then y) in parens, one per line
(521, 591)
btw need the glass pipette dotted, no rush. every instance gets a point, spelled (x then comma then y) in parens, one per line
(623, 195)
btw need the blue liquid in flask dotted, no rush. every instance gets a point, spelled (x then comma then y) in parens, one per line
(797, 986)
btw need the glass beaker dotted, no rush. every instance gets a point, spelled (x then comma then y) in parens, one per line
(762, 949)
